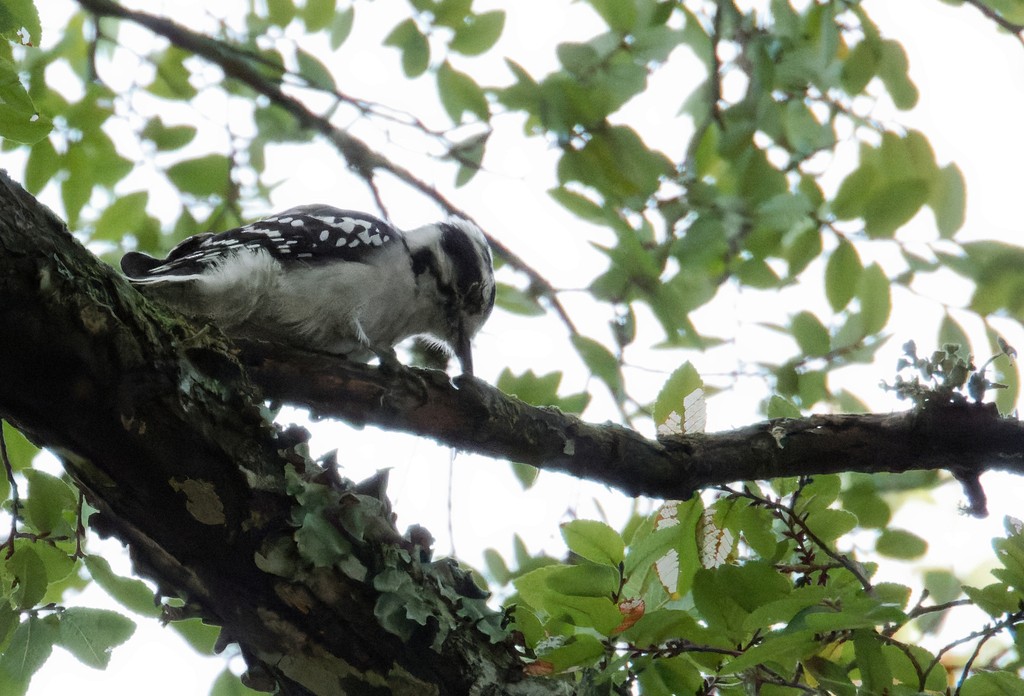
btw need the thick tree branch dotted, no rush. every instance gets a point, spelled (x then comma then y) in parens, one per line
(159, 425)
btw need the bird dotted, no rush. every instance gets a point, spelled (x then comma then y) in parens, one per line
(326, 279)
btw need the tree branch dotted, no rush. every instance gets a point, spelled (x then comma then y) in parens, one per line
(966, 439)
(1016, 29)
(160, 427)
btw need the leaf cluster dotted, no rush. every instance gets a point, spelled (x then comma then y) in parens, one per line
(751, 592)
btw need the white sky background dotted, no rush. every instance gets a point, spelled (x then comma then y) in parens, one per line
(971, 108)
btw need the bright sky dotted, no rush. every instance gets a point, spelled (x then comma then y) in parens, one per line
(972, 105)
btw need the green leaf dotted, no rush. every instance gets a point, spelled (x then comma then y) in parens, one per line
(775, 647)
(29, 647)
(784, 610)
(167, 137)
(42, 165)
(679, 392)
(19, 22)
(318, 14)
(801, 248)
(478, 33)
(893, 205)
(201, 636)
(842, 275)
(619, 15)
(538, 390)
(126, 214)
(804, 132)
(781, 407)
(594, 541)
(579, 594)
(460, 93)
(950, 331)
(863, 500)
(203, 176)
(601, 362)
(517, 301)
(579, 205)
(871, 663)
(948, 200)
(446, 13)
(48, 498)
(20, 451)
(851, 198)
(130, 593)
(830, 524)
(725, 595)
(20, 121)
(496, 566)
(819, 494)
(875, 299)
(670, 676)
(415, 49)
(892, 68)
(60, 571)
(992, 684)
(899, 543)
(906, 664)
(172, 77)
(90, 634)
(469, 153)
(582, 650)
(861, 65)
(314, 71)
(281, 12)
(599, 164)
(341, 26)
(30, 573)
(810, 334)
(995, 599)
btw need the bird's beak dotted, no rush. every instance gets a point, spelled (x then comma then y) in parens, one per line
(464, 351)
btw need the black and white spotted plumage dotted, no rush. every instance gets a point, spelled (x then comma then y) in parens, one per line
(333, 280)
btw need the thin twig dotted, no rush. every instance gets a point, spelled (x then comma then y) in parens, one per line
(847, 563)
(79, 526)
(1016, 29)
(15, 500)
(985, 634)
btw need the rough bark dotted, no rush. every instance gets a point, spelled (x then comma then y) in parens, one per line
(964, 438)
(160, 427)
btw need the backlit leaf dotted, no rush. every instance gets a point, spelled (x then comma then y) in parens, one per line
(478, 33)
(408, 38)
(91, 634)
(875, 299)
(948, 200)
(29, 647)
(899, 543)
(594, 541)
(679, 397)
(204, 176)
(460, 93)
(842, 275)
